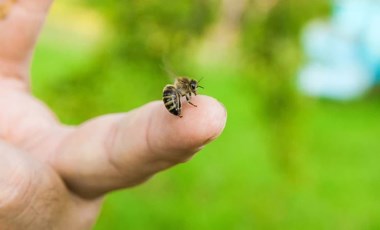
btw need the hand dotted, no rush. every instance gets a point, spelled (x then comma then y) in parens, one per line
(53, 176)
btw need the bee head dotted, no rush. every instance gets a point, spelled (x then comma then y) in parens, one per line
(194, 85)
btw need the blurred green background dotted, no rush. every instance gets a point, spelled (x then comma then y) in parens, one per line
(285, 161)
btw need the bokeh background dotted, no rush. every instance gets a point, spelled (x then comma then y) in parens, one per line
(285, 160)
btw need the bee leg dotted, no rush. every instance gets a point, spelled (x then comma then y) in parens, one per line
(188, 97)
(192, 104)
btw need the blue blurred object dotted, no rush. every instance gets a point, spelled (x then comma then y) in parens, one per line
(343, 53)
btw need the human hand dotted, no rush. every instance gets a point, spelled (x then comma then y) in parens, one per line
(53, 176)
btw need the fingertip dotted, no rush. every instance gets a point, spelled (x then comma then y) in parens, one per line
(198, 126)
(207, 120)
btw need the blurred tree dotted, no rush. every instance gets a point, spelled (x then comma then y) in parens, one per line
(147, 31)
(270, 49)
(221, 42)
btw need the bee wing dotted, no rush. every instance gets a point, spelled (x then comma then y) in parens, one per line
(167, 68)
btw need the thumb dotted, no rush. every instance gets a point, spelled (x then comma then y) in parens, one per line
(122, 150)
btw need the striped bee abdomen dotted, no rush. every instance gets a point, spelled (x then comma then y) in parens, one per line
(172, 100)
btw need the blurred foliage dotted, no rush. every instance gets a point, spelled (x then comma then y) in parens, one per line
(283, 162)
(148, 31)
(272, 55)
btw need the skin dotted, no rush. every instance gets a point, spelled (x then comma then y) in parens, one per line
(54, 176)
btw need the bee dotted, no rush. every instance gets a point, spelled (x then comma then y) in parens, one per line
(172, 94)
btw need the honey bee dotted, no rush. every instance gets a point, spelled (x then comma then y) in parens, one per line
(172, 94)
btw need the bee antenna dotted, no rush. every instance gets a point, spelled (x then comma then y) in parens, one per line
(200, 79)
(200, 86)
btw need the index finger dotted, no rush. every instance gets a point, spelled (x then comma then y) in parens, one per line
(20, 25)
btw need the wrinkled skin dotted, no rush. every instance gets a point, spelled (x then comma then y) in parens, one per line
(53, 176)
